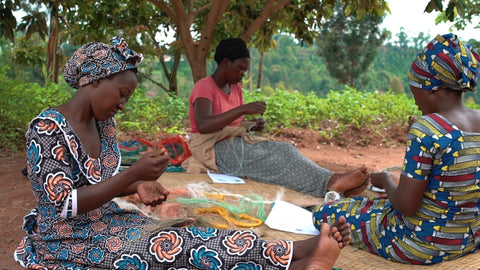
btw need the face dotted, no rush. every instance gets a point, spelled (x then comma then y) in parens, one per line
(424, 100)
(110, 94)
(236, 69)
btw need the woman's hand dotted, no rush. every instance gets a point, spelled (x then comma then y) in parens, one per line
(152, 193)
(258, 126)
(406, 197)
(151, 165)
(379, 179)
(256, 107)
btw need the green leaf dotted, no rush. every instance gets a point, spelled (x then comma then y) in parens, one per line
(450, 11)
(8, 23)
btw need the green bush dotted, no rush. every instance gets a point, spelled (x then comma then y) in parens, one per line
(153, 114)
(345, 108)
(285, 109)
(21, 102)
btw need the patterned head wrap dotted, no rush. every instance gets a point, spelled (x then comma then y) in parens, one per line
(446, 62)
(232, 48)
(96, 60)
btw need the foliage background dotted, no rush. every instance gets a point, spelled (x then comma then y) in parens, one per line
(296, 86)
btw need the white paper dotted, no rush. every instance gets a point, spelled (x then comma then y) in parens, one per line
(288, 217)
(225, 178)
(376, 189)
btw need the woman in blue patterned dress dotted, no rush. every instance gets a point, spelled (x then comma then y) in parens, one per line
(73, 161)
(433, 214)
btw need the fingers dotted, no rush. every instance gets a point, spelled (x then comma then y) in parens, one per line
(151, 165)
(262, 106)
(152, 193)
(154, 201)
(257, 107)
(157, 152)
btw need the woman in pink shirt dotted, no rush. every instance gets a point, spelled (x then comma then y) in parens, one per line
(220, 144)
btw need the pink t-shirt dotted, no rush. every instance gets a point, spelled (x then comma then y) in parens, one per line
(221, 102)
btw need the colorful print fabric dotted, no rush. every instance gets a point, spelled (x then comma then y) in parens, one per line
(96, 60)
(445, 62)
(110, 237)
(447, 224)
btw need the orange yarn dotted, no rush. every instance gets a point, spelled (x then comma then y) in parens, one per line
(170, 210)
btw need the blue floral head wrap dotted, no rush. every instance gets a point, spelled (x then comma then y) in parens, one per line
(446, 62)
(95, 60)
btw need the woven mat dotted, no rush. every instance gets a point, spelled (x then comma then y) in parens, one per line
(350, 258)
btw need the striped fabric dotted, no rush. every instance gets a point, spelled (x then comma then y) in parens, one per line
(447, 224)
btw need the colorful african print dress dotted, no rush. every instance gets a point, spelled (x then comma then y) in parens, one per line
(110, 237)
(447, 224)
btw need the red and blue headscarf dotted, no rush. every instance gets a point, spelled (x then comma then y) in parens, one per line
(446, 62)
(96, 60)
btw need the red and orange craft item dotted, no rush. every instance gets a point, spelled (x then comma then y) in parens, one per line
(177, 148)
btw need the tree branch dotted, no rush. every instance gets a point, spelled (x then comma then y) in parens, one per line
(270, 8)
(153, 81)
(164, 6)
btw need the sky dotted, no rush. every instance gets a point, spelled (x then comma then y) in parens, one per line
(409, 15)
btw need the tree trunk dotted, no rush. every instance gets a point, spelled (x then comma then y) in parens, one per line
(52, 47)
(196, 52)
(260, 71)
(198, 66)
(172, 78)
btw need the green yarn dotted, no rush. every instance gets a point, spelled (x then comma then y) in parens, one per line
(247, 205)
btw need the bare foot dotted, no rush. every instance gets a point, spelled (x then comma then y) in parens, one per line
(342, 182)
(344, 231)
(356, 191)
(325, 252)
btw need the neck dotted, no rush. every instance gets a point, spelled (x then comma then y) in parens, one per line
(219, 80)
(76, 111)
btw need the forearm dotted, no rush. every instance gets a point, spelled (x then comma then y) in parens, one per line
(407, 196)
(93, 196)
(213, 123)
(130, 189)
(390, 188)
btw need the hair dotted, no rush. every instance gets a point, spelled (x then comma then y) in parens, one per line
(232, 48)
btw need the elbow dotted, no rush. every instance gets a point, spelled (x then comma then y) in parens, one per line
(201, 127)
(202, 130)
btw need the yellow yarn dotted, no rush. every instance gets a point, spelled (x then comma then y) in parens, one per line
(255, 222)
(217, 196)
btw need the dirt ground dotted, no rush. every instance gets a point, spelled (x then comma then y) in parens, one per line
(340, 154)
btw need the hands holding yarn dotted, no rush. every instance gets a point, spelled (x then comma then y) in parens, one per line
(152, 193)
